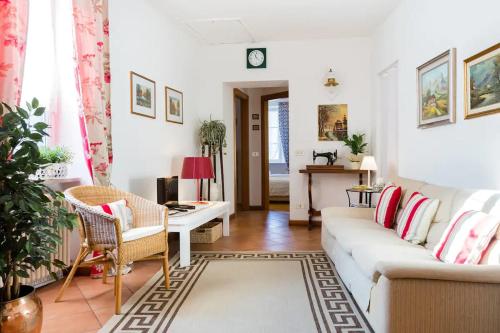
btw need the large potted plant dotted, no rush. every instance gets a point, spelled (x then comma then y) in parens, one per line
(31, 216)
(357, 145)
(213, 135)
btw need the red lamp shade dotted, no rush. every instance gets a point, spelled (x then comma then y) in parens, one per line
(197, 168)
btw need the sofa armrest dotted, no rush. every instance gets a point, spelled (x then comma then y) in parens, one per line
(440, 271)
(352, 212)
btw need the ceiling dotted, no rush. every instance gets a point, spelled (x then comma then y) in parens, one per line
(239, 21)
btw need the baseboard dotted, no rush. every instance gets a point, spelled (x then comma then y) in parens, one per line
(303, 222)
(256, 208)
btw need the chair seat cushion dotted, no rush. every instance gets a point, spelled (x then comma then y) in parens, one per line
(137, 233)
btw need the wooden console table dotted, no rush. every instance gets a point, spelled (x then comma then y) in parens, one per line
(311, 211)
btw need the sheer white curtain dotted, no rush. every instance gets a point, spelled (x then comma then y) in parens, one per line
(49, 75)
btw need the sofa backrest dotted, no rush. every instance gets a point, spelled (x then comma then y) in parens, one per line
(453, 201)
(408, 186)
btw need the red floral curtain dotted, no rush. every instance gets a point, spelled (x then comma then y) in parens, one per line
(13, 30)
(93, 78)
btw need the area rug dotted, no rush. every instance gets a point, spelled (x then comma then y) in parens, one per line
(244, 292)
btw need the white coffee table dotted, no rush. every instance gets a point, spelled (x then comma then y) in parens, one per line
(184, 224)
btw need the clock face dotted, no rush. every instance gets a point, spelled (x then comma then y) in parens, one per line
(256, 58)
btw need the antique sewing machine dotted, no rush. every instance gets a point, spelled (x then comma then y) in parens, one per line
(331, 157)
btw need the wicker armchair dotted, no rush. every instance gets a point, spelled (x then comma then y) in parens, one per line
(102, 232)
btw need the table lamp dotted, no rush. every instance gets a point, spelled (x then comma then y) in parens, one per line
(197, 168)
(369, 164)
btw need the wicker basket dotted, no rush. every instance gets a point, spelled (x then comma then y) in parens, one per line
(207, 233)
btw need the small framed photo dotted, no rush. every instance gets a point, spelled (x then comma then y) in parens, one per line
(174, 106)
(482, 83)
(255, 116)
(142, 96)
(255, 127)
(436, 82)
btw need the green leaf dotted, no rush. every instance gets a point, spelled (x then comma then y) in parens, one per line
(34, 103)
(22, 274)
(39, 111)
(23, 112)
(40, 126)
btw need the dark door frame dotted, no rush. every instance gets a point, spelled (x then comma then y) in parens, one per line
(264, 140)
(245, 150)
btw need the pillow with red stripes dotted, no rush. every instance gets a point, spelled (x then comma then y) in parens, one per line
(414, 222)
(120, 210)
(387, 205)
(466, 238)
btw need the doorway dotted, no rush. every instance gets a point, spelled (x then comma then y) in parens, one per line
(275, 153)
(241, 174)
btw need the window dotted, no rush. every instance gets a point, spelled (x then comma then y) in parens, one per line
(49, 75)
(275, 148)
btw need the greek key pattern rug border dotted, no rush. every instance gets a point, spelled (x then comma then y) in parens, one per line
(153, 308)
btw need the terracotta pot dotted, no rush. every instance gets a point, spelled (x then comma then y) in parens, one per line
(23, 314)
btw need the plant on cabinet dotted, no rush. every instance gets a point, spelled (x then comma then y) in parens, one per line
(357, 145)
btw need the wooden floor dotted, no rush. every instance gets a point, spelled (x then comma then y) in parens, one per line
(88, 304)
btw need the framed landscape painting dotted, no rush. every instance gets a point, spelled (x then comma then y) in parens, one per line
(174, 107)
(142, 96)
(482, 83)
(332, 122)
(436, 84)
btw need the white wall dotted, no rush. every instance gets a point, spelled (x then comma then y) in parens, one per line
(465, 154)
(144, 40)
(303, 64)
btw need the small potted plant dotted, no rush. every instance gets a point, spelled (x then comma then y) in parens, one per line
(31, 217)
(357, 145)
(57, 159)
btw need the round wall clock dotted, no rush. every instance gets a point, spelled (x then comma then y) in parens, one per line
(256, 58)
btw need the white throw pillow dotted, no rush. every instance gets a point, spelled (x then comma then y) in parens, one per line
(466, 238)
(414, 222)
(120, 210)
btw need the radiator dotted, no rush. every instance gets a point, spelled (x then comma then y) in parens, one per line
(42, 276)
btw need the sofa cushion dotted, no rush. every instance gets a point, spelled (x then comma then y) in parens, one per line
(445, 195)
(466, 238)
(392, 249)
(408, 186)
(387, 205)
(416, 218)
(486, 201)
(350, 232)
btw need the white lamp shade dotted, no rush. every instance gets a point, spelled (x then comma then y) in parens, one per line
(368, 163)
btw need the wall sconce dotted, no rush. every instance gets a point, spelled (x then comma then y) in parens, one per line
(330, 79)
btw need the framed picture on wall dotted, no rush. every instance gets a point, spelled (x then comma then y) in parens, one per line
(482, 83)
(174, 106)
(142, 96)
(436, 84)
(332, 122)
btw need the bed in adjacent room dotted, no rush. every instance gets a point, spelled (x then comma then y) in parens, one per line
(279, 187)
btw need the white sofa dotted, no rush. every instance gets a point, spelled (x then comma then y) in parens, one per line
(400, 286)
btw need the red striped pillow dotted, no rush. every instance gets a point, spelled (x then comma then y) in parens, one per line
(414, 222)
(120, 210)
(466, 238)
(387, 205)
